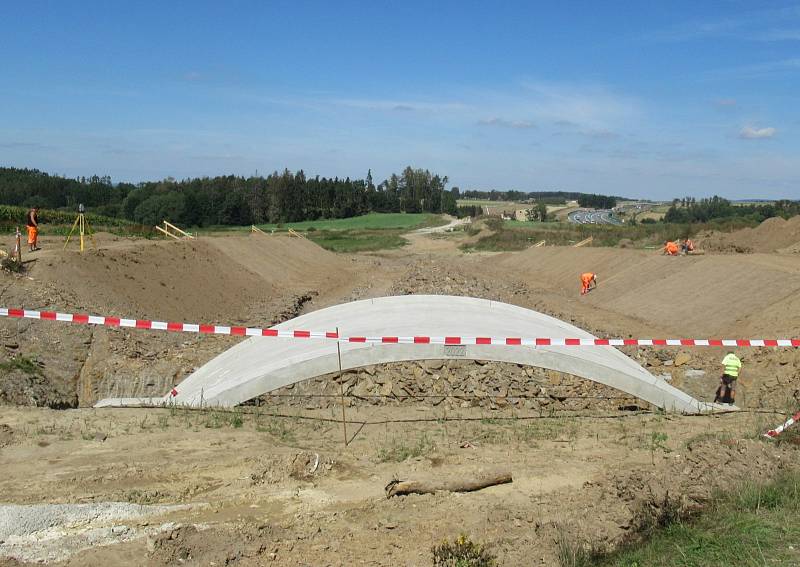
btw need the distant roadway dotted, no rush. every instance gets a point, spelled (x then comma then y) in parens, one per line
(588, 216)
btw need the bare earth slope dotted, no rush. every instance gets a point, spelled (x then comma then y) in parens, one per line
(254, 280)
(207, 279)
(693, 295)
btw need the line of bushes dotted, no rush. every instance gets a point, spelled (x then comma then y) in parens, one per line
(58, 222)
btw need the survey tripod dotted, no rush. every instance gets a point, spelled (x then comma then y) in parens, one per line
(83, 229)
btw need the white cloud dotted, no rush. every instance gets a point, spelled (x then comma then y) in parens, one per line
(768, 25)
(521, 124)
(589, 107)
(780, 35)
(751, 133)
(399, 105)
(759, 70)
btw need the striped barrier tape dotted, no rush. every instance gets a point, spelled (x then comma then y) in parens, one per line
(783, 427)
(332, 335)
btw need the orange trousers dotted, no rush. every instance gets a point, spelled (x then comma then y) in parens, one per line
(33, 235)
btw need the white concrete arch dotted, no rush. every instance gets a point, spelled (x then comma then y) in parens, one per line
(262, 364)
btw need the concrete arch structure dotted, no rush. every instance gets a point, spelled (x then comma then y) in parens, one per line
(262, 364)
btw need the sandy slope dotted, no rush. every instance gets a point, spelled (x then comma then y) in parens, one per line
(208, 279)
(693, 296)
(771, 235)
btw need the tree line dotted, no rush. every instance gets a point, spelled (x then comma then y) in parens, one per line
(231, 200)
(597, 201)
(690, 210)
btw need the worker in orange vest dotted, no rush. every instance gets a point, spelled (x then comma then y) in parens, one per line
(587, 280)
(687, 246)
(670, 248)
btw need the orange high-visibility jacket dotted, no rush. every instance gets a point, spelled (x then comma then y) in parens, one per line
(587, 278)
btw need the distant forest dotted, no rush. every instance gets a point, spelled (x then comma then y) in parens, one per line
(690, 210)
(231, 200)
(547, 197)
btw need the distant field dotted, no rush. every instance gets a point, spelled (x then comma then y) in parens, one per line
(358, 240)
(650, 215)
(526, 224)
(555, 208)
(468, 202)
(372, 221)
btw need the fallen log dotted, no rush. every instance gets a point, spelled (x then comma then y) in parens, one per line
(402, 487)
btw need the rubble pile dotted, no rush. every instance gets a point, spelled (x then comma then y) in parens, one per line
(453, 384)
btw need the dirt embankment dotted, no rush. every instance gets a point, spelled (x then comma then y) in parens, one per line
(250, 280)
(215, 279)
(686, 295)
(772, 235)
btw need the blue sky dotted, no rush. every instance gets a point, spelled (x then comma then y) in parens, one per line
(644, 99)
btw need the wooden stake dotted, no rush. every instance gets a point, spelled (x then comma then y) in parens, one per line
(19, 247)
(341, 385)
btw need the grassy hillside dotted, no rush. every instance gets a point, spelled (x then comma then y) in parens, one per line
(752, 524)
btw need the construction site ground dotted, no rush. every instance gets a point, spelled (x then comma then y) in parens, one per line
(273, 482)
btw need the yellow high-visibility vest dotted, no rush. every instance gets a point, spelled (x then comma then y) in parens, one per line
(732, 365)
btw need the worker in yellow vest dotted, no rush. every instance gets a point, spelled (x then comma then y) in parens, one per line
(726, 393)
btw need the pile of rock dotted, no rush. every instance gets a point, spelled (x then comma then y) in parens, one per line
(452, 384)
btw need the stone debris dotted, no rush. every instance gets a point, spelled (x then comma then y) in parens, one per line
(452, 384)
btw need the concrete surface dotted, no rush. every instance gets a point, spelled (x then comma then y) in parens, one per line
(261, 364)
(44, 533)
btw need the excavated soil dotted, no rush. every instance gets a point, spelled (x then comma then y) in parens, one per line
(272, 482)
(772, 235)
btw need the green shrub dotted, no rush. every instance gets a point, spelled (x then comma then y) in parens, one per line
(23, 364)
(462, 553)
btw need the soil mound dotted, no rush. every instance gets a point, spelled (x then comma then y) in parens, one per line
(771, 235)
(215, 279)
(283, 260)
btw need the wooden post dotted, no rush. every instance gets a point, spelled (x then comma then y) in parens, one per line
(341, 385)
(19, 247)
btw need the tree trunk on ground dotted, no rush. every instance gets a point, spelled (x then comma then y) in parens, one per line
(402, 487)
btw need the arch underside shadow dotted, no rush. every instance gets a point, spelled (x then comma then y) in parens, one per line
(260, 365)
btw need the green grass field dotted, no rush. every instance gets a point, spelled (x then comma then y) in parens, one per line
(366, 233)
(357, 240)
(372, 221)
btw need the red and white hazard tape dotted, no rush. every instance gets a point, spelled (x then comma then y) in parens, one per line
(421, 339)
(781, 428)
